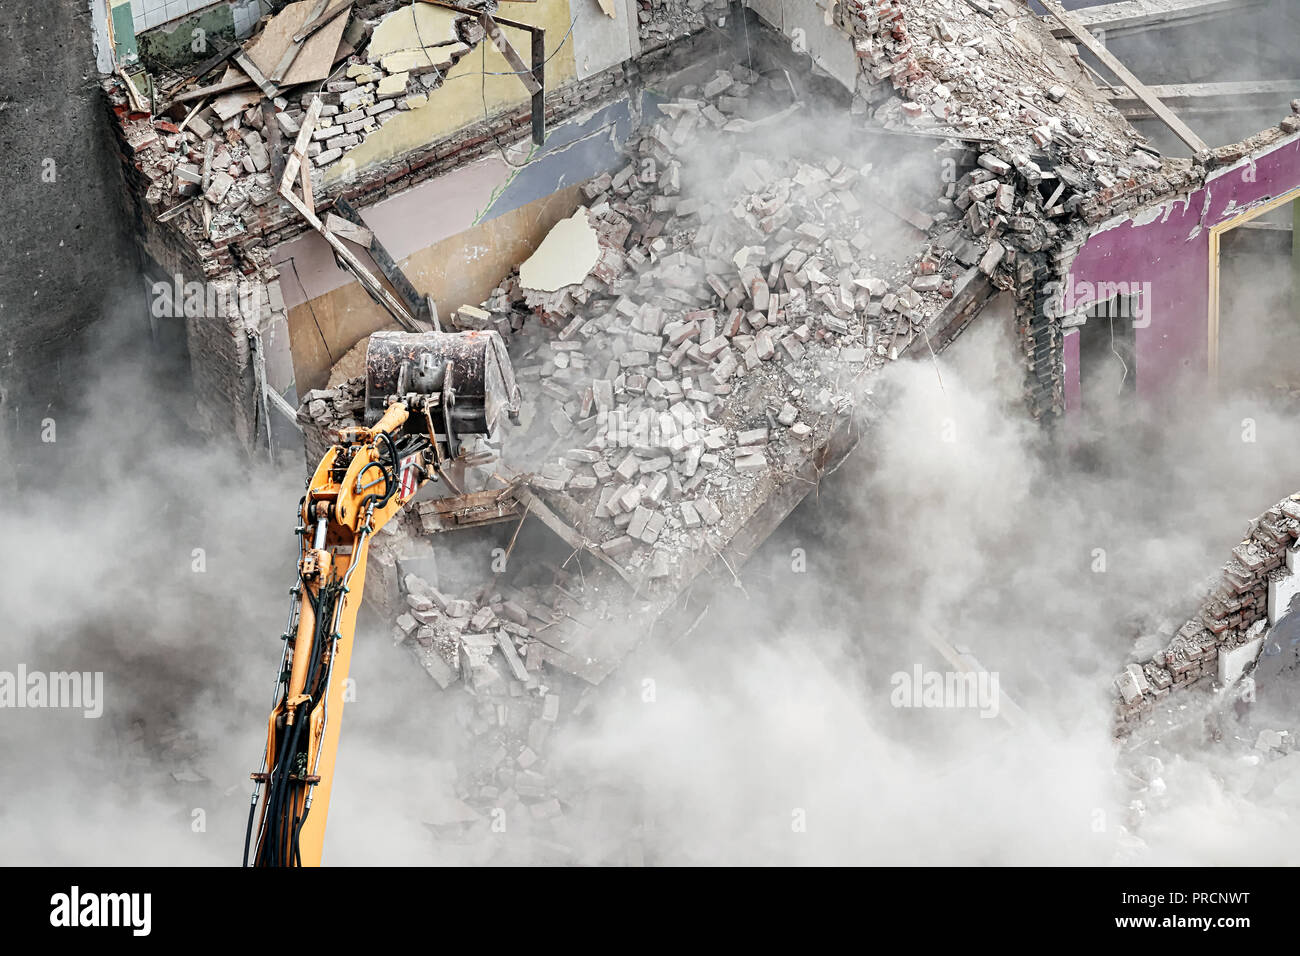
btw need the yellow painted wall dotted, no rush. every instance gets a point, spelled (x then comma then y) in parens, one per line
(460, 270)
(466, 95)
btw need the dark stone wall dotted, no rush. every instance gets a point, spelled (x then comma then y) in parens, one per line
(67, 262)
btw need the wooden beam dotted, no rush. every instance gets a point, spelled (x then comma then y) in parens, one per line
(175, 211)
(506, 50)
(283, 407)
(261, 82)
(304, 172)
(298, 163)
(225, 86)
(569, 535)
(355, 266)
(313, 22)
(203, 69)
(1175, 95)
(1136, 16)
(973, 291)
(387, 264)
(298, 155)
(534, 77)
(1150, 100)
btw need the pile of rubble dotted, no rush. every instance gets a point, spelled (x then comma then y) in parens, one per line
(325, 410)
(661, 21)
(1233, 614)
(937, 67)
(210, 154)
(720, 332)
(995, 79)
(490, 644)
(211, 168)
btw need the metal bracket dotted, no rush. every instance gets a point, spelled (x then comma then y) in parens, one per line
(533, 77)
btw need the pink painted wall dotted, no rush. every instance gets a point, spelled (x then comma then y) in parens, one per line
(1167, 246)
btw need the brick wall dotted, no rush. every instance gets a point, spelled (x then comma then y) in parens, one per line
(1234, 612)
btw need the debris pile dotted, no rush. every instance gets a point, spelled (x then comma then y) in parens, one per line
(210, 155)
(490, 643)
(934, 66)
(325, 410)
(209, 171)
(661, 21)
(721, 333)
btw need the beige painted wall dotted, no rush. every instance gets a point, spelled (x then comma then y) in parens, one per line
(467, 95)
(462, 269)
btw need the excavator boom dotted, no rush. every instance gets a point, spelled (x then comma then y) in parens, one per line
(428, 390)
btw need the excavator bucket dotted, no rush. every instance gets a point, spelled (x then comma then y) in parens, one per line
(469, 371)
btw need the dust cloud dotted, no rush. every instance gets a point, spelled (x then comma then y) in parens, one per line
(765, 735)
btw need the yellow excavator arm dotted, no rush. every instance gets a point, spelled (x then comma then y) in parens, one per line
(428, 389)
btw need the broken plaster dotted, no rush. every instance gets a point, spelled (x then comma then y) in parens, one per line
(566, 255)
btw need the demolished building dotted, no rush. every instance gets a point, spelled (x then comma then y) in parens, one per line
(695, 318)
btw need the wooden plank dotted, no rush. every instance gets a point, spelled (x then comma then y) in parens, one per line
(180, 128)
(261, 82)
(295, 47)
(313, 19)
(349, 230)
(973, 290)
(1176, 95)
(354, 265)
(175, 211)
(571, 537)
(224, 86)
(298, 163)
(137, 103)
(304, 173)
(228, 105)
(202, 69)
(314, 60)
(283, 407)
(1150, 100)
(1135, 16)
(506, 50)
(387, 265)
(298, 154)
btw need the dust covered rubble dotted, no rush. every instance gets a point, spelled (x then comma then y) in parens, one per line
(934, 66)
(719, 338)
(661, 21)
(489, 645)
(721, 334)
(323, 411)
